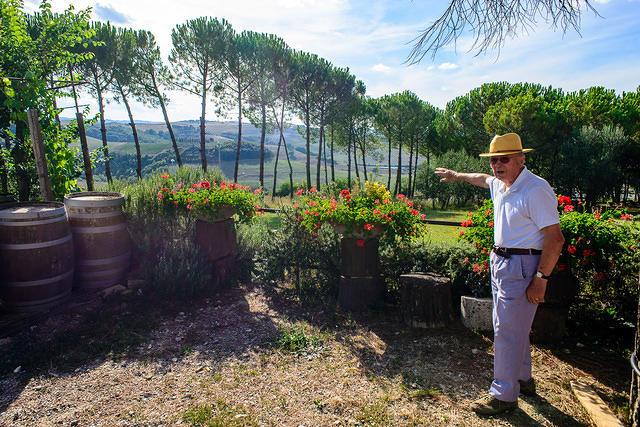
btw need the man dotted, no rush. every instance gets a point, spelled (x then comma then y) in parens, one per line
(527, 244)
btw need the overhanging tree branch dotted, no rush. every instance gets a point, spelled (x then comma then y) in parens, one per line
(492, 21)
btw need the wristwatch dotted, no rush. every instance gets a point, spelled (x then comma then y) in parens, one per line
(539, 275)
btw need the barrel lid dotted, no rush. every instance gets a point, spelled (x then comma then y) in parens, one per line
(94, 199)
(31, 210)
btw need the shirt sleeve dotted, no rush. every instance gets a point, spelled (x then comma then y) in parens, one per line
(543, 206)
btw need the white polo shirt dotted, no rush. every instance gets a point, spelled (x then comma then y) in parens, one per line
(522, 210)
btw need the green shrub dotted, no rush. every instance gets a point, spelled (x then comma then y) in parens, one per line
(162, 239)
(601, 250)
(296, 339)
(291, 253)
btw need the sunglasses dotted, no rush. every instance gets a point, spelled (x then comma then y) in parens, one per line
(504, 160)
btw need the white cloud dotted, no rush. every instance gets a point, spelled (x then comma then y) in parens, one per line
(380, 67)
(447, 66)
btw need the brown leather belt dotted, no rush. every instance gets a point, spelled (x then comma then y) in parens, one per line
(507, 252)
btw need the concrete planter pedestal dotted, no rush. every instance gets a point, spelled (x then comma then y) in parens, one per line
(476, 313)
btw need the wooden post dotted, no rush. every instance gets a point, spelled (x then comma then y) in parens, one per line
(39, 153)
(85, 151)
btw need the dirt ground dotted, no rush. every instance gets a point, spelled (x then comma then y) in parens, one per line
(254, 356)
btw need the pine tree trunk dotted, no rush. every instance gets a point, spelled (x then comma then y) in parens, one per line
(319, 162)
(262, 138)
(167, 122)
(239, 146)
(308, 125)
(389, 164)
(415, 173)
(134, 131)
(103, 129)
(355, 154)
(203, 152)
(410, 168)
(349, 160)
(398, 185)
(333, 173)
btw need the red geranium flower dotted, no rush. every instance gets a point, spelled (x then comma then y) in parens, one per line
(312, 190)
(360, 242)
(568, 208)
(571, 249)
(164, 176)
(205, 184)
(564, 200)
(299, 192)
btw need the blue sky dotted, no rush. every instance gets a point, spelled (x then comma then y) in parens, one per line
(373, 39)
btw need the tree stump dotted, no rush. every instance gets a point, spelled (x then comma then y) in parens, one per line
(426, 300)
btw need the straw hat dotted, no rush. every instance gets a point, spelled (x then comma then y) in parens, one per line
(506, 144)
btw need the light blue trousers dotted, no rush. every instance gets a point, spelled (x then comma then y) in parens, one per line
(512, 319)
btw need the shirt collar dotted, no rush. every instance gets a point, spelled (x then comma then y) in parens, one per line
(522, 177)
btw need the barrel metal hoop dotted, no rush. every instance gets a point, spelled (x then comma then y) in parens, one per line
(28, 222)
(39, 245)
(41, 302)
(98, 230)
(73, 215)
(103, 261)
(46, 281)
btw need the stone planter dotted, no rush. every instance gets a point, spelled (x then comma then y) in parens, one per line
(476, 313)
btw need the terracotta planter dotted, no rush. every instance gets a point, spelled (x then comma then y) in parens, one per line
(476, 313)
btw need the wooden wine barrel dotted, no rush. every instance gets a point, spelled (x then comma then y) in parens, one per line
(36, 255)
(100, 238)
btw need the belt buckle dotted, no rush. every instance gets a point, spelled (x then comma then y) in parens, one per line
(501, 252)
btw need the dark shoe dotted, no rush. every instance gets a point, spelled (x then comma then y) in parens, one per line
(489, 405)
(528, 388)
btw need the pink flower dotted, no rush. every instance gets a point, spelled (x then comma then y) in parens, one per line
(568, 208)
(188, 206)
(257, 191)
(295, 206)
(376, 211)
(299, 192)
(160, 195)
(401, 196)
(191, 190)
(312, 190)
(179, 186)
(165, 189)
